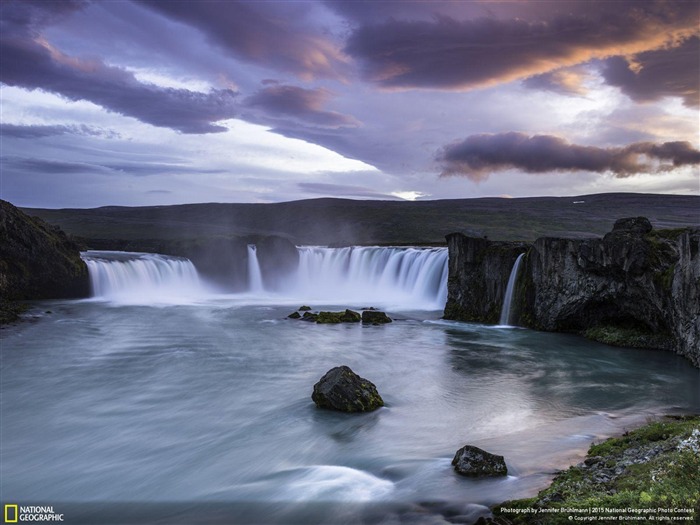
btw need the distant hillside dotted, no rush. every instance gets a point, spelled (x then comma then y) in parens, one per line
(343, 221)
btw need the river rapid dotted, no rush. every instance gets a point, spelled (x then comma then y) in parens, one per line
(194, 406)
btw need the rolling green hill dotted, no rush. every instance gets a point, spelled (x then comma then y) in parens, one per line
(343, 221)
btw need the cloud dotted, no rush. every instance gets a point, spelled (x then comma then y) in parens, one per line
(299, 103)
(275, 34)
(342, 190)
(566, 81)
(478, 156)
(447, 53)
(648, 76)
(55, 166)
(31, 62)
(36, 131)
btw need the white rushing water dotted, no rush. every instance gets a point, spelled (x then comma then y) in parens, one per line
(410, 277)
(508, 299)
(255, 281)
(401, 278)
(142, 278)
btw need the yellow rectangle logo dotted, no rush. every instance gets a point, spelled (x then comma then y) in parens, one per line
(11, 513)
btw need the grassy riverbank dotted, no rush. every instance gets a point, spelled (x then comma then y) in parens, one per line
(648, 475)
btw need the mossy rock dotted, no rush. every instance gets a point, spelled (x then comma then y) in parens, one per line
(375, 317)
(343, 390)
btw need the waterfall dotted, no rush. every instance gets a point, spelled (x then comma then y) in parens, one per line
(141, 278)
(408, 277)
(508, 299)
(400, 278)
(255, 282)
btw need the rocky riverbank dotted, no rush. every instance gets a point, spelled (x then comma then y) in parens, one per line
(648, 475)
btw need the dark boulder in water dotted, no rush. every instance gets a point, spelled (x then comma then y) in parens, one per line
(342, 389)
(294, 315)
(375, 317)
(304, 308)
(474, 462)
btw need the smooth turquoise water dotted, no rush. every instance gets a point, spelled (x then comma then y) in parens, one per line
(201, 413)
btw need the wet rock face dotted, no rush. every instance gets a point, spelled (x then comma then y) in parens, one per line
(634, 287)
(478, 276)
(37, 260)
(342, 389)
(474, 462)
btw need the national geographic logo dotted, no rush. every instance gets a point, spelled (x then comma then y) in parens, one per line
(30, 513)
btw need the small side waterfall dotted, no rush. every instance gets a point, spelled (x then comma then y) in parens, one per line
(508, 299)
(141, 278)
(255, 281)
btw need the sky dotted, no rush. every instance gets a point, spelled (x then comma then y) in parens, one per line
(156, 102)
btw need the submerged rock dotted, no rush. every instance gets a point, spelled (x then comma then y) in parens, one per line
(375, 317)
(475, 462)
(342, 389)
(304, 308)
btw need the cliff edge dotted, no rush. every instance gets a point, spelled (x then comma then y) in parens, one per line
(634, 287)
(37, 260)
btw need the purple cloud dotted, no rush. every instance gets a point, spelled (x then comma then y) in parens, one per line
(30, 62)
(275, 34)
(299, 103)
(452, 54)
(478, 156)
(648, 76)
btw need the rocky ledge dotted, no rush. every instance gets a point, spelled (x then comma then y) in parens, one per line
(646, 475)
(37, 261)
(636, 286)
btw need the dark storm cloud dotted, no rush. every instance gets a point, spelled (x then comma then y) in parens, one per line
(271, 34)
(30, 62)
(299, 103)
(447, 53)
(479, 155)
(648, 76)
(39, 131)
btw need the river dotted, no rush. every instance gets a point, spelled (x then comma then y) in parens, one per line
(181, 404)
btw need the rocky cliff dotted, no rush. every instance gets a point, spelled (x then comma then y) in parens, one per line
(477, 277)
(37, 260)
(634, 287)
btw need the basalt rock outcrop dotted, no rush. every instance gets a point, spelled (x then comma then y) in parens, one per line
(477, 277)
(634, 287)
(37, 260)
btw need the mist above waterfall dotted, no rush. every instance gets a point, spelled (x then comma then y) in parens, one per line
(390, 277)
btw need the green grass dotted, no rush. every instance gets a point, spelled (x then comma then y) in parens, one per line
(663, 474)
